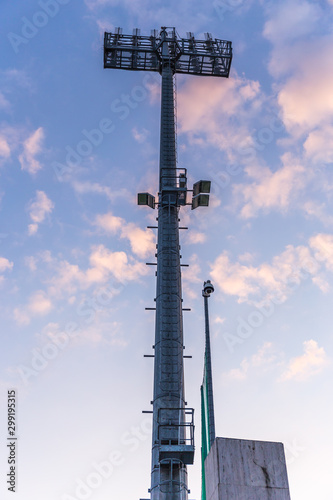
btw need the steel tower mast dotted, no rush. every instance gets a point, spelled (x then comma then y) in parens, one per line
(173, 428)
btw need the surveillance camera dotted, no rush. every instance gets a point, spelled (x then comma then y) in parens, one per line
(207, 289)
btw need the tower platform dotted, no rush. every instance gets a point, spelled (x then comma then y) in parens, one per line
(241, 469)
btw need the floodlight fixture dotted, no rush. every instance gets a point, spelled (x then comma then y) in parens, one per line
(201, 200)
(146, 199)
(201, 187)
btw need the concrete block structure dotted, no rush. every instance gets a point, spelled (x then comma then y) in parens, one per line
(241, 469)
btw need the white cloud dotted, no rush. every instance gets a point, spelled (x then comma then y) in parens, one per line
(140, 136)
(118, 264)
(322, 244)
(21, 317)
(271, 190)
(39, 304)
(194, 237)
(104, 265)
(311, 362)
(15, 77)
(96, 188)
(208, 122)
(104, 26)
(191, 277)
(319, 211)
(38, 209)
(31, 148)
(107, 333)
(306, 365)
(239, 373)
(302, 56)
(5, 264)
(275, 281)
(31, 263)
(142, 241)
(4, 148)
(9, 141)
(266, 358)
(4, 103)
(306, 98)
(318, 145)
(290, 20)
(109, 222)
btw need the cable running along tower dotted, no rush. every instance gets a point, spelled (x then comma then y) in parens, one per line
(173, 428)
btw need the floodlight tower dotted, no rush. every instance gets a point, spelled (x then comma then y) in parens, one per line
(165, 52)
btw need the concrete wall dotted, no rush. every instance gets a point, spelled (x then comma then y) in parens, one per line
(240, 469)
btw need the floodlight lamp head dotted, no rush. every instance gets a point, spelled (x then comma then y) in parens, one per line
(146, 199)
(208, 289)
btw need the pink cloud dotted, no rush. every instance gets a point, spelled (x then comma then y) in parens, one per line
(308, 364)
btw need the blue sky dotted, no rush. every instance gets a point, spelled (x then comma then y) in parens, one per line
(77, 143)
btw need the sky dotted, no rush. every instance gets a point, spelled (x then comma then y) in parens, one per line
(77, 143)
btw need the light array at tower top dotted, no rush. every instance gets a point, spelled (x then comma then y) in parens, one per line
(186, 55)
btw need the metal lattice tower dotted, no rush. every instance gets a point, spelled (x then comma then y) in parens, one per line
(173, 429)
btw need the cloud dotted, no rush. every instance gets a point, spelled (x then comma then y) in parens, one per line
(106, 333)
(216, 102)
(306, 365)
(302, 58)
(31, 148)
(118, 264)
(322, 244)
(194, 237)
(104, 265)
(38, 209)
(191, 278)
(21, 317)
(145, 15)
(104, 26)
(271, 190)
(109, 222)
(39, 304)
(317, 210)
(275, 281)
(31, 263)
(4, 103)
(15, 77)
(318, 145)
(5, 264)
(96, 188)
(306, 98)
(265, 358)
(142, 241)
(301, 20)
(10, 139)
(239, 373)
(140, 136)
(300, 368)
(4, 148)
